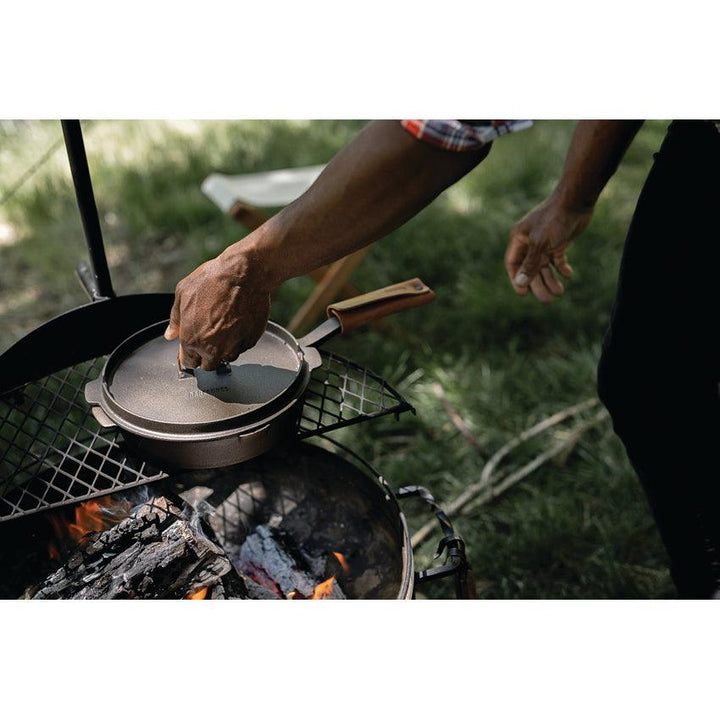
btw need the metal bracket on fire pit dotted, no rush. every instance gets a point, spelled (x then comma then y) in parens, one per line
(456, 563)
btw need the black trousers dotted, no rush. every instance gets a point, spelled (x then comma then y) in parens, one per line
(660, 366)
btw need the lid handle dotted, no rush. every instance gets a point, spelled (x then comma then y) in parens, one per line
(223, 368)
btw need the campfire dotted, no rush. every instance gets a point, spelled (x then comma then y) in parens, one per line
(109, 538)
(300, 524)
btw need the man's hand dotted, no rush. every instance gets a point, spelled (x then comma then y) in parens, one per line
(538, 242)
(220, 310)
(536, 250)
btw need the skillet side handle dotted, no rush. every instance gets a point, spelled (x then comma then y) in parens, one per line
(358, 311)
(93, 397)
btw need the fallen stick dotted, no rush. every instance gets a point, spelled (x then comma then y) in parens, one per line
(515, 477)
(487, 475)
(531, 432)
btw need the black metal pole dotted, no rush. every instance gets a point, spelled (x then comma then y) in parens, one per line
(102, 287)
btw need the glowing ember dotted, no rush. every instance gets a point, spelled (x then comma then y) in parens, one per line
(200, 594)
(324, 590)
(343, 562)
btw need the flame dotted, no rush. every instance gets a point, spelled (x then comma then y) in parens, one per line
(53, 551)
(58, 525)
(89, 517)
(324, 590)
(200, 594)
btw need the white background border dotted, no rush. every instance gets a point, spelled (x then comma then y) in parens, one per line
(358, 60)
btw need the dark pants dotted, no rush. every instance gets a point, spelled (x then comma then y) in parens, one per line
(660, 366)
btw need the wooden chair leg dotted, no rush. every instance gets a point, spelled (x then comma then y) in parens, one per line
(330, 280)
(348, 290)
(326, 290)
(248, 215)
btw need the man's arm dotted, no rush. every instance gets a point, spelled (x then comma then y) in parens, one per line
(376, 183)
(538, 242)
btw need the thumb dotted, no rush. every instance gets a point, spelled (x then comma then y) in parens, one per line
(530, 266)
(173, 329)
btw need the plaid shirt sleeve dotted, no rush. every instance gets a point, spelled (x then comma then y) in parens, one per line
(462, 135)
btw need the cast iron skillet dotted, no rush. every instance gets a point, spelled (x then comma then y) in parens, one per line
(209, 419)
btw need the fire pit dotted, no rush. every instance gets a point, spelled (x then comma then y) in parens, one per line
(301, 522)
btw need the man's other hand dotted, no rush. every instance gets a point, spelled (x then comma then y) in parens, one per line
(536, 251)
(220, 310)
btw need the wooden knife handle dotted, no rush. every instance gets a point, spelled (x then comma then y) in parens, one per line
(377, 304)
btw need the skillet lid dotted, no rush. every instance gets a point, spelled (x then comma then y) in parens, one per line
(143, 391)
(143, 387)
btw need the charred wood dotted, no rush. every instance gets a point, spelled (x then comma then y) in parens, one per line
(160, 551)
(272, 563)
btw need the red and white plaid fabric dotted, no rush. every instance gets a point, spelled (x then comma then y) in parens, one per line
(462, 135)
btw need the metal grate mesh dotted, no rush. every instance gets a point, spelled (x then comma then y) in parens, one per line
(53, 452)
(343, 393)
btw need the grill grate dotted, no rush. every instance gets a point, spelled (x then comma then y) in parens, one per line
(342, 393)
(53, 452)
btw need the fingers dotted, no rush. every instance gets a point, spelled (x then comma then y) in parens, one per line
(205, 358)
(173, 329)
(212, 363)
(530, 266)
(208, 365)
(189, 358)
(540, 290)
(514, 257)
(551, 282)
(210, 358)
(531, 270)
(545, 286)
(562, 265)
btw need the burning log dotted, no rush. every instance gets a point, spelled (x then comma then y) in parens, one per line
(160, 551)
(273, 566)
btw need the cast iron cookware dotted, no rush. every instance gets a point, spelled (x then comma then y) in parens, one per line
(209, 419)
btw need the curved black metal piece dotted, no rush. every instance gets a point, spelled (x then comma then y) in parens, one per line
(451, 543)
(100, 286)
(84, 333)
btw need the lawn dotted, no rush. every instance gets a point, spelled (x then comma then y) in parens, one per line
(576, 529)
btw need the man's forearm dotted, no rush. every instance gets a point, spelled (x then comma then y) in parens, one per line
(596, 149)
(375, 184)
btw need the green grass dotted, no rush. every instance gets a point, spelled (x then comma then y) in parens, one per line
(577, 530)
